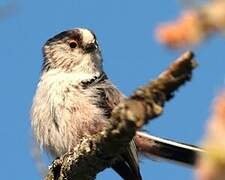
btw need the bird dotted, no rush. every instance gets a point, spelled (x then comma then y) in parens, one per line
(74, 99)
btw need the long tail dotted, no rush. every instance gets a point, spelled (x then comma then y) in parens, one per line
(152, 146)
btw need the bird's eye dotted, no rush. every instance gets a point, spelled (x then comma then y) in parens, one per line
(73, 44)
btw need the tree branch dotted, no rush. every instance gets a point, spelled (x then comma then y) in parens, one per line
(97, 152)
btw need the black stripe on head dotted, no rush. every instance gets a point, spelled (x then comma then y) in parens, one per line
(65, 35)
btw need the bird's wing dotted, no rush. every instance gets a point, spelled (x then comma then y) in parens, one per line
(127, 166)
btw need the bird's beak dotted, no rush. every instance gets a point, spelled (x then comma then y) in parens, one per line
(91, 47)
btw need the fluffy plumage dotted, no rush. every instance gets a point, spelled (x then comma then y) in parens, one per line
(74, 98)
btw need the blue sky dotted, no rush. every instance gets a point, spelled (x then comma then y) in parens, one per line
(125, 30)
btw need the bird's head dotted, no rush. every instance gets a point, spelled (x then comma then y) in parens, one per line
(74, 50)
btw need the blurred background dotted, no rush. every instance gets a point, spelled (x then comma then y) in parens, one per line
(132, 56)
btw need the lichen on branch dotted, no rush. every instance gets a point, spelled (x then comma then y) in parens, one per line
(97, 152)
